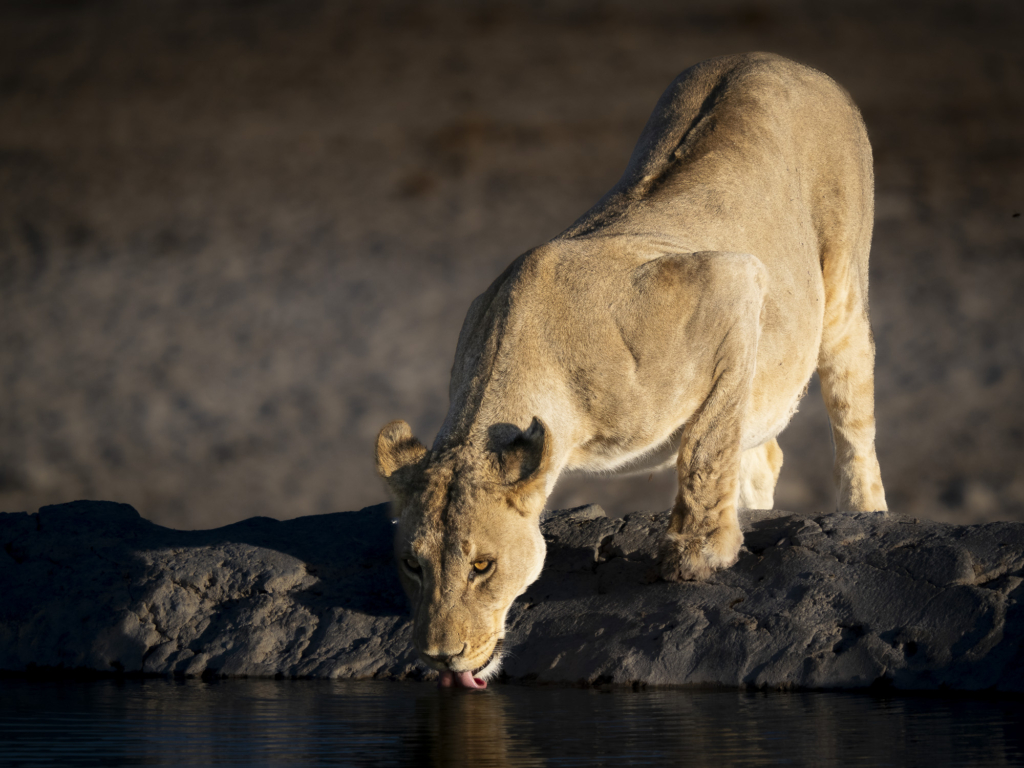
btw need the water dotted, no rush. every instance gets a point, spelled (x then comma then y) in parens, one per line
(268, 723)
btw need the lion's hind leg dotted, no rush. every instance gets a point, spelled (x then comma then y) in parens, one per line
(846, 367)
(759, 473)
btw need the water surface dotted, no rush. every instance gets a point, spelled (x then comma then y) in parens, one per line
(306, 723)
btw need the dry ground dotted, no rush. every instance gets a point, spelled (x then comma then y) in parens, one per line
(237, 238)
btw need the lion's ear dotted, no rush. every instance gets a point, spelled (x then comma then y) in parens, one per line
(398, 453)
(524, 463)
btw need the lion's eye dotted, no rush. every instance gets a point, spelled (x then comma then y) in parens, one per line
(412, 564)
(481, 566)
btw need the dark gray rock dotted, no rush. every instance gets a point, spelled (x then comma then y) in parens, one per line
(92, 585)
(815, 601)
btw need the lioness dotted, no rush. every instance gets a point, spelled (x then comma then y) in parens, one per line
(677, 321)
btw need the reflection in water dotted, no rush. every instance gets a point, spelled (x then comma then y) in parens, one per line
(461, 727)
(263, 722)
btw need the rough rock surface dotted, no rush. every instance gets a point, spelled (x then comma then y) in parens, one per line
(815, 601)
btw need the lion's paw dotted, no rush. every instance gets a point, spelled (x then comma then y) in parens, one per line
(689, 557)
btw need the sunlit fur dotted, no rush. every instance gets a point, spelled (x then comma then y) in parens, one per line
(677, 322)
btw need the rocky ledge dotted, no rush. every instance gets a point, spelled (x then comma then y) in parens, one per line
(815, 601)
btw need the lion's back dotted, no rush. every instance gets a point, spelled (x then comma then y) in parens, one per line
(754, 113)
(742, 147)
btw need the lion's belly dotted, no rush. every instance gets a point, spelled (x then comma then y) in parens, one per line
(629, 460)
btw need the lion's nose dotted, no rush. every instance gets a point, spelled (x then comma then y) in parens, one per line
(445, 657)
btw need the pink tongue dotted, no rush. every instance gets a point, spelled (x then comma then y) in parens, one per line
(459, 680)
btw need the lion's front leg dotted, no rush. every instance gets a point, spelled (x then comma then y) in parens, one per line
(704, 533)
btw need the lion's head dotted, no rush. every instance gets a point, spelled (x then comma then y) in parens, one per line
(467, 541)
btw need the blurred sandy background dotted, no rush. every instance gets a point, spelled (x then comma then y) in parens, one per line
(237, 238)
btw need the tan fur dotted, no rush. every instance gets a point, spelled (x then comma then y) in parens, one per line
(676, 322)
